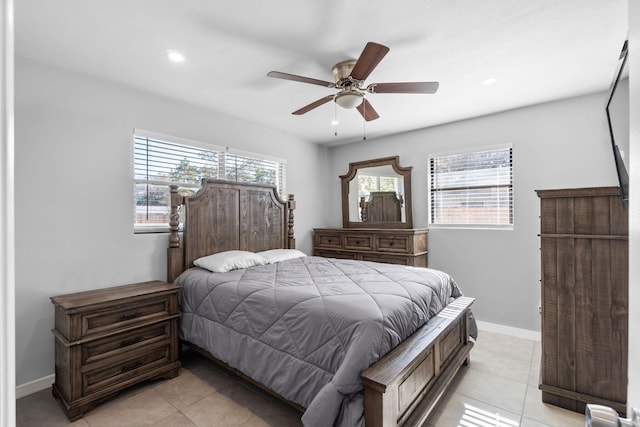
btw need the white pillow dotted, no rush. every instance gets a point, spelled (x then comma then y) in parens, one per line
(276, 255)
(229, 260)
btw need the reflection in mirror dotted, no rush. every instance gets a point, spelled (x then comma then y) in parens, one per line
(377, 193)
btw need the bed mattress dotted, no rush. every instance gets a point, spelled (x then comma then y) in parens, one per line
(307, 327)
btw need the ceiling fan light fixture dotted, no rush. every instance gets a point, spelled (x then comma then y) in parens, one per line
(349, 99)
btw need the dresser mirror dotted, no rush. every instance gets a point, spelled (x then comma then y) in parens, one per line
(377, 194)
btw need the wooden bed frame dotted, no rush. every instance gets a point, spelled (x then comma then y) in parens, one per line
(403, 387)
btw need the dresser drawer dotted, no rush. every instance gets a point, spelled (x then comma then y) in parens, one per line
(103, 348)
(359, 242)
(124, 316)
(387, 258)
(335, 254)
(398, 244)
(121, 369)
(333, 241)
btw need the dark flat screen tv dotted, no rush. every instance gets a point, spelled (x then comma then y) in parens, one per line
(617, 109)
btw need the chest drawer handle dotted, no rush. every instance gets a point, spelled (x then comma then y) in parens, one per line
(390, 243)
(357, 242)
(132, 341)
(131, 367)
(130, 316)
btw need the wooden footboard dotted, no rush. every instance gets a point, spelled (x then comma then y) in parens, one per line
(403, 387)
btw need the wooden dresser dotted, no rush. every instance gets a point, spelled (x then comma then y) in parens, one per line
(393, 246)
(109, 339)
(584, 254)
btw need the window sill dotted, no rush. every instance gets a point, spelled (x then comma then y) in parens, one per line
(509, 227)
(148, 229)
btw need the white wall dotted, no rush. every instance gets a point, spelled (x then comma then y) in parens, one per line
(633, 395)
(7, 229)
(74, 190)
(563, 144)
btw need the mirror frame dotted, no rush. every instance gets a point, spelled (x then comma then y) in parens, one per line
(405, 172)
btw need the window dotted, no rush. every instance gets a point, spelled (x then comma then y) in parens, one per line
(472, 188)
(370, 183)
(163, 160)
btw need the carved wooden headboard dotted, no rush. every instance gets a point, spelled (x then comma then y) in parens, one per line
(382, 206)
(226, 215)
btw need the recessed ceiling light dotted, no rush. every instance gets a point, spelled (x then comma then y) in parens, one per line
(489, 81)
(334, 122)
(175, 56)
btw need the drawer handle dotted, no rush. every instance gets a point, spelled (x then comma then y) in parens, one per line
(130, 316)
(132, 341)
(132, 366)
(390, 243)
(357, 242)
(329, 240)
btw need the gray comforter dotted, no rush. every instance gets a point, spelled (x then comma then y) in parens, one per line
(307, 327)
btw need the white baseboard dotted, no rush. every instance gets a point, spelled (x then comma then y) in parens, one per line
(509, 330)
(34, 386)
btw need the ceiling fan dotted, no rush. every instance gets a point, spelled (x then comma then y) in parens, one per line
(349, 78)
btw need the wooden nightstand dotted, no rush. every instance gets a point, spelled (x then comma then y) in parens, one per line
(109, 339)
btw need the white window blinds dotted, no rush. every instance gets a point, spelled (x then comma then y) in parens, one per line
(160, 161)
(472, 189)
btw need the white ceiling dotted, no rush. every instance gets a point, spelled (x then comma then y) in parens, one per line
(539, 50)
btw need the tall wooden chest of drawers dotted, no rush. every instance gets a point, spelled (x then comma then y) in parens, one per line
(109, 339)
(584, 254)
(392, 246)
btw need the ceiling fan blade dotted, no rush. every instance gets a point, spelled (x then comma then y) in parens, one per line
(287, 76)
(408, 87)
(367, 110)
(370, 57)
(313, 105)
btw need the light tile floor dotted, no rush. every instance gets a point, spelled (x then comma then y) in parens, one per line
(498, 388)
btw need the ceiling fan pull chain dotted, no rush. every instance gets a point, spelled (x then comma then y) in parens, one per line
(335, 119)
(364, 122)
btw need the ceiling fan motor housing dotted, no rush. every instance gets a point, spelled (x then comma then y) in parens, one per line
(342, 70)
(351, 95)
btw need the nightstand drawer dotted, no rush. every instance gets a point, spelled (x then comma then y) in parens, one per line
(126, 315)
(103, 348)
(398, 244)
(135, 364)
(358, 242)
